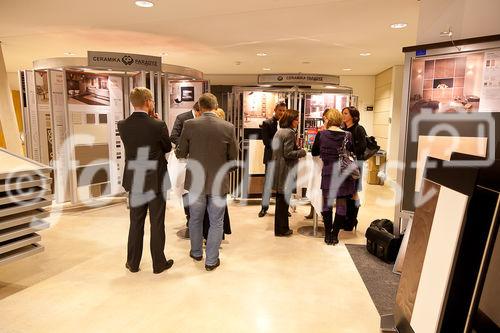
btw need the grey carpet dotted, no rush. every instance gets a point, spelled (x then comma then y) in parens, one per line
(381, 282)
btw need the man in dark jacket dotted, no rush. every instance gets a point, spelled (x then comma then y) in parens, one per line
(146, 178)
(269, 128)
(174, 137)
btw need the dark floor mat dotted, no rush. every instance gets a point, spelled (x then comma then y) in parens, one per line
(381, 282)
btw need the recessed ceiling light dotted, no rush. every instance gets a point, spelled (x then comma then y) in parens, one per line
(164, 54)
(266, 69)
(365, 54)
(69, 53)
(347, 69)
(261, 54)
(399, 25)
(306, 62)
(144, 4)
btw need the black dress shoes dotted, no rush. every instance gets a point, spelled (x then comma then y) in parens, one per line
(285, 234)
(169, 264)
(195, 258)
(212, 267)
(133, 270)
(262, 212)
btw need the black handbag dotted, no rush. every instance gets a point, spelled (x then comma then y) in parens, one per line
(371, 147)
(381, 242)
(347, 161)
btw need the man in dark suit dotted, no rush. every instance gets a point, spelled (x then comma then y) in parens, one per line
(175, 136)
(146, 142)
(208, 143)
(269, 128)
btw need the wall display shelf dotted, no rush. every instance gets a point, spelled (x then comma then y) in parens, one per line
(25, 189)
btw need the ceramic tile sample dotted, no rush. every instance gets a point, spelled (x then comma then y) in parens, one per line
(256, 156)
(99, 134)
(442, 146)
(436, 270)
(415, 253)
(11, 163)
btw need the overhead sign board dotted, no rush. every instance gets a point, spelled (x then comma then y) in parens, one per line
(123, 61)
(298, 79)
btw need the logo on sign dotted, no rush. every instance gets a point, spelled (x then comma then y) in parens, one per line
(280, 78)
(127, 60)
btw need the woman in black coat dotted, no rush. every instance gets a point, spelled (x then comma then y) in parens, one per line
(351, 124)
(286, 154)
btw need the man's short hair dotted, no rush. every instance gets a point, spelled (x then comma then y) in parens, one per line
(280, 104)
(208, 102)
(288, 117)
(139, 96)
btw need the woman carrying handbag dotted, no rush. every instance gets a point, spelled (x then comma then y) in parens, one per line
(334, 147)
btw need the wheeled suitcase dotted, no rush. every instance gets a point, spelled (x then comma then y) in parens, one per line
(381, 242)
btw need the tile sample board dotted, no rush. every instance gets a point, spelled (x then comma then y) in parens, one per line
(24, 191)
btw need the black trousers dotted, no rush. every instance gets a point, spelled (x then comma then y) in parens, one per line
(138, 212)
(281, 214)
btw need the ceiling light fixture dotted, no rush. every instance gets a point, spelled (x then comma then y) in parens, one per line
(266, 69)
(365, 54)
(347, 69)
(164, 54)
(144, 4)
(261, 54)
(399, 25)
(306, 62)
(331, 87)
(69, 53)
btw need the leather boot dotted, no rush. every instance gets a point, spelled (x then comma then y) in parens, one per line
(337, 225)
(327, 220)
(349, 218)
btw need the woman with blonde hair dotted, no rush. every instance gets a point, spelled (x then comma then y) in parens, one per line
(329, 145)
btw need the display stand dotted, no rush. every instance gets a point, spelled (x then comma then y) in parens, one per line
(25, 190)
(71, 107)
(451, 103)
(450, 248)
(250, 106)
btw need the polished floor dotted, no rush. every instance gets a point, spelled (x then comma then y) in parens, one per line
(264, 284)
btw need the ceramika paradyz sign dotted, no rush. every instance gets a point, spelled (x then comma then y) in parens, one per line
(298, 78)
(123, 61)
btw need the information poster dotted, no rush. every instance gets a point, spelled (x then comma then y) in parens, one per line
(91, 128)
(62, 189)
(33, 116)
(490, 93)
(257, 107)
(44, 118)
(115, 84)
(183, 95)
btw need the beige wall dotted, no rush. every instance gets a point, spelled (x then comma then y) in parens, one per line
(387, 113)
(13, 80)
(467, 18)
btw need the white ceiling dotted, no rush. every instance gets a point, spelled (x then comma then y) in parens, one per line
(213, 35)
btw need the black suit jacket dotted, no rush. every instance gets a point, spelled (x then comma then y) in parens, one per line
(141, 131)
(178, 125)
(269, 128)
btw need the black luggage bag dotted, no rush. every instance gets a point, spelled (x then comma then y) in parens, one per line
(381, 242)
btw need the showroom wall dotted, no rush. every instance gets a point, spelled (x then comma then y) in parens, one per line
(387, 113)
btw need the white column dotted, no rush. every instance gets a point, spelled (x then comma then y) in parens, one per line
(8, 121)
